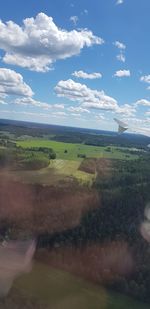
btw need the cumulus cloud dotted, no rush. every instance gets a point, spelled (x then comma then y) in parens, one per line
(87, 97)
(143, 102)
(121, 57)
(120, 45)
(84, 75)
(145, 79)
(38, 43)
(90, 99)
(11, 83)
(36, 63)
(74, 19)
(122, 73)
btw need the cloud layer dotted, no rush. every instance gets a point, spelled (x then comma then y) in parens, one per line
(39, 42)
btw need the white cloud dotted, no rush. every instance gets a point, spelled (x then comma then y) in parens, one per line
(74, 19)
(3, 95)
(140, 125)
(126, 110)
(31, 101)
(38, 43)
(59, 114)
(11, 83)
(148, 113)
(120, 45)
(122, 73)
(142, 102)
(58, 106)
(25, 113)
(77, 115)
(119, 2)
(84, 75)
(91, 99)
(103, 104)
(78, 109)
(3, 102)
(145, 79)
(87, 97)
(36, 63)
(99, 117)
(121, 57)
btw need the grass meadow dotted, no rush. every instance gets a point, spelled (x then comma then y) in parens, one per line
(61, 290)
(73, 150)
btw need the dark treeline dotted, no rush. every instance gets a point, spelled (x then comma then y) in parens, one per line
(49, 151)
(125, 140)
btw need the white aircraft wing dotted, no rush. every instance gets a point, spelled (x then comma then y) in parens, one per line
(122, 127)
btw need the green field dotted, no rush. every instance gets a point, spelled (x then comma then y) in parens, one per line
(59, 290)
(74, 149)
(70, 168)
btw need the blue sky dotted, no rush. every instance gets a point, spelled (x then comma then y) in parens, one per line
(78, 63)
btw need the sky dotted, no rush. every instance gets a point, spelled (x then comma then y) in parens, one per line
(75, 63)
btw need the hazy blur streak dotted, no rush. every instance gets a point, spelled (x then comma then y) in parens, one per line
(15, 258)
(145, 226)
